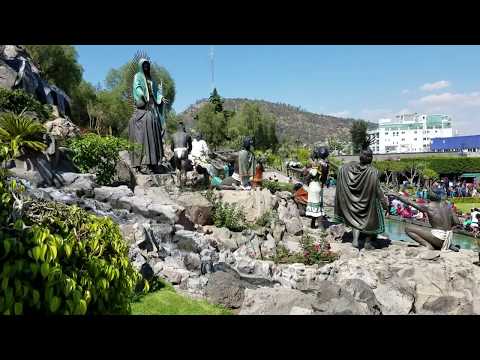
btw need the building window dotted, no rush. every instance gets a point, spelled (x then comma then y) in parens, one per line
(415, 138)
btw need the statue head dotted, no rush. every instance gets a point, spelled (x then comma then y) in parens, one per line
(145, 66)
(320, 152)
(248, 143)
(366, 156)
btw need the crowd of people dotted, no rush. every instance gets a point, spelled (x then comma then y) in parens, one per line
(455, 188)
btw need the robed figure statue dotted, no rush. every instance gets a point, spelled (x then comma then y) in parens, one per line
(147, 122)
(359, 199)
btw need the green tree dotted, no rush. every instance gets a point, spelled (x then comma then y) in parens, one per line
(212, 125)
(335, 145)
(358, 133)
(216, 100)
(83, 96)
(251, 121)
(58, 64)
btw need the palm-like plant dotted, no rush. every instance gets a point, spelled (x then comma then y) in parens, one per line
(21, 134)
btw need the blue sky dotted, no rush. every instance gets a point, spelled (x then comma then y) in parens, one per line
(368, 82)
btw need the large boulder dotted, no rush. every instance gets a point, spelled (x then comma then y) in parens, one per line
(198, 208)
(62, 128)
(274, 301)
(112, 194)
(290, 215)
(7, 75)
(226, 289)
(409, 280)
(255, 202)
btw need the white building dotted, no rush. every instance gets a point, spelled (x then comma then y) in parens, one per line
(410, 133)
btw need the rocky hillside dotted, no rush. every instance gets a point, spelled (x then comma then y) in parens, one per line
(293, 122)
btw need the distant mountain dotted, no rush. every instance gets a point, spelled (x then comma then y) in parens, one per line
(292, 121)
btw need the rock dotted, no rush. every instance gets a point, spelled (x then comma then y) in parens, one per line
(274, 301)
(124, 173)
(224, 288)
(7, 75)
(268, 246)
(112, 194)
(198, 208)
(363, 293)
(190, 241)
(223, 238)
(173, 275)
(296, 310)
(254, 202)
(284, 195)
(448, 305)
(155, 180)
(81, 184)
(335, 232)
(132, 233)
(291, 217)
(430, 255)
(62, 128)
(278, 231)
(192, 262)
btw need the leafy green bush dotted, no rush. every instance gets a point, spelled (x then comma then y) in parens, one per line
(266, 219)
(58, 259)
(17, 101)
(275, 186)
(21, 133)
(313, 252)
(98, 154)
(226, 215)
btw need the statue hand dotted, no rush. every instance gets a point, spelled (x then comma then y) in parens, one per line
(165, 100)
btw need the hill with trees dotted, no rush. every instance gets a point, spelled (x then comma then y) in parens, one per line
(292, 122)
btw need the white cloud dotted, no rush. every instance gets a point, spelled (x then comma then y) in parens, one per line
(451, 99)
(343, 113)
(405, 91)
(442, 84)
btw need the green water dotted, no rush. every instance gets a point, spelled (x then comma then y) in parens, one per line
(395, 230)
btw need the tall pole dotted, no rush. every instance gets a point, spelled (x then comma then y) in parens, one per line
(212, 67)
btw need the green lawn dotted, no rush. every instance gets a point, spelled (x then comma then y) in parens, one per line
(465, 207)
(167, 302)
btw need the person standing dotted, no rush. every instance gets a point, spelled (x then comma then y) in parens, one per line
(316, 178)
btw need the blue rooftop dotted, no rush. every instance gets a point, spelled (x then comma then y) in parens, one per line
(456, 143)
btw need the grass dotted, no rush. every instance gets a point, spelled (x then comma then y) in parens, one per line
(465, 207)
(166, 301)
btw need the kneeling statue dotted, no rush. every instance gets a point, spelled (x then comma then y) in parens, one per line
(442, 218)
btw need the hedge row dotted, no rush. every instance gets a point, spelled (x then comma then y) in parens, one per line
(445, 165)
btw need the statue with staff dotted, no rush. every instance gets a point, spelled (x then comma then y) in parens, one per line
(147, 124)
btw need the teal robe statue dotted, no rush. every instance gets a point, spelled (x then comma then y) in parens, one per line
(147, 122)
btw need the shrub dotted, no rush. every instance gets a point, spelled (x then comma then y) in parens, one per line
(313, 252)
(226, 215)
(17, 101)
(275, 186)
(440, 165)
(98, 154)
(58, 259)
(266, 219)
(21, 133)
